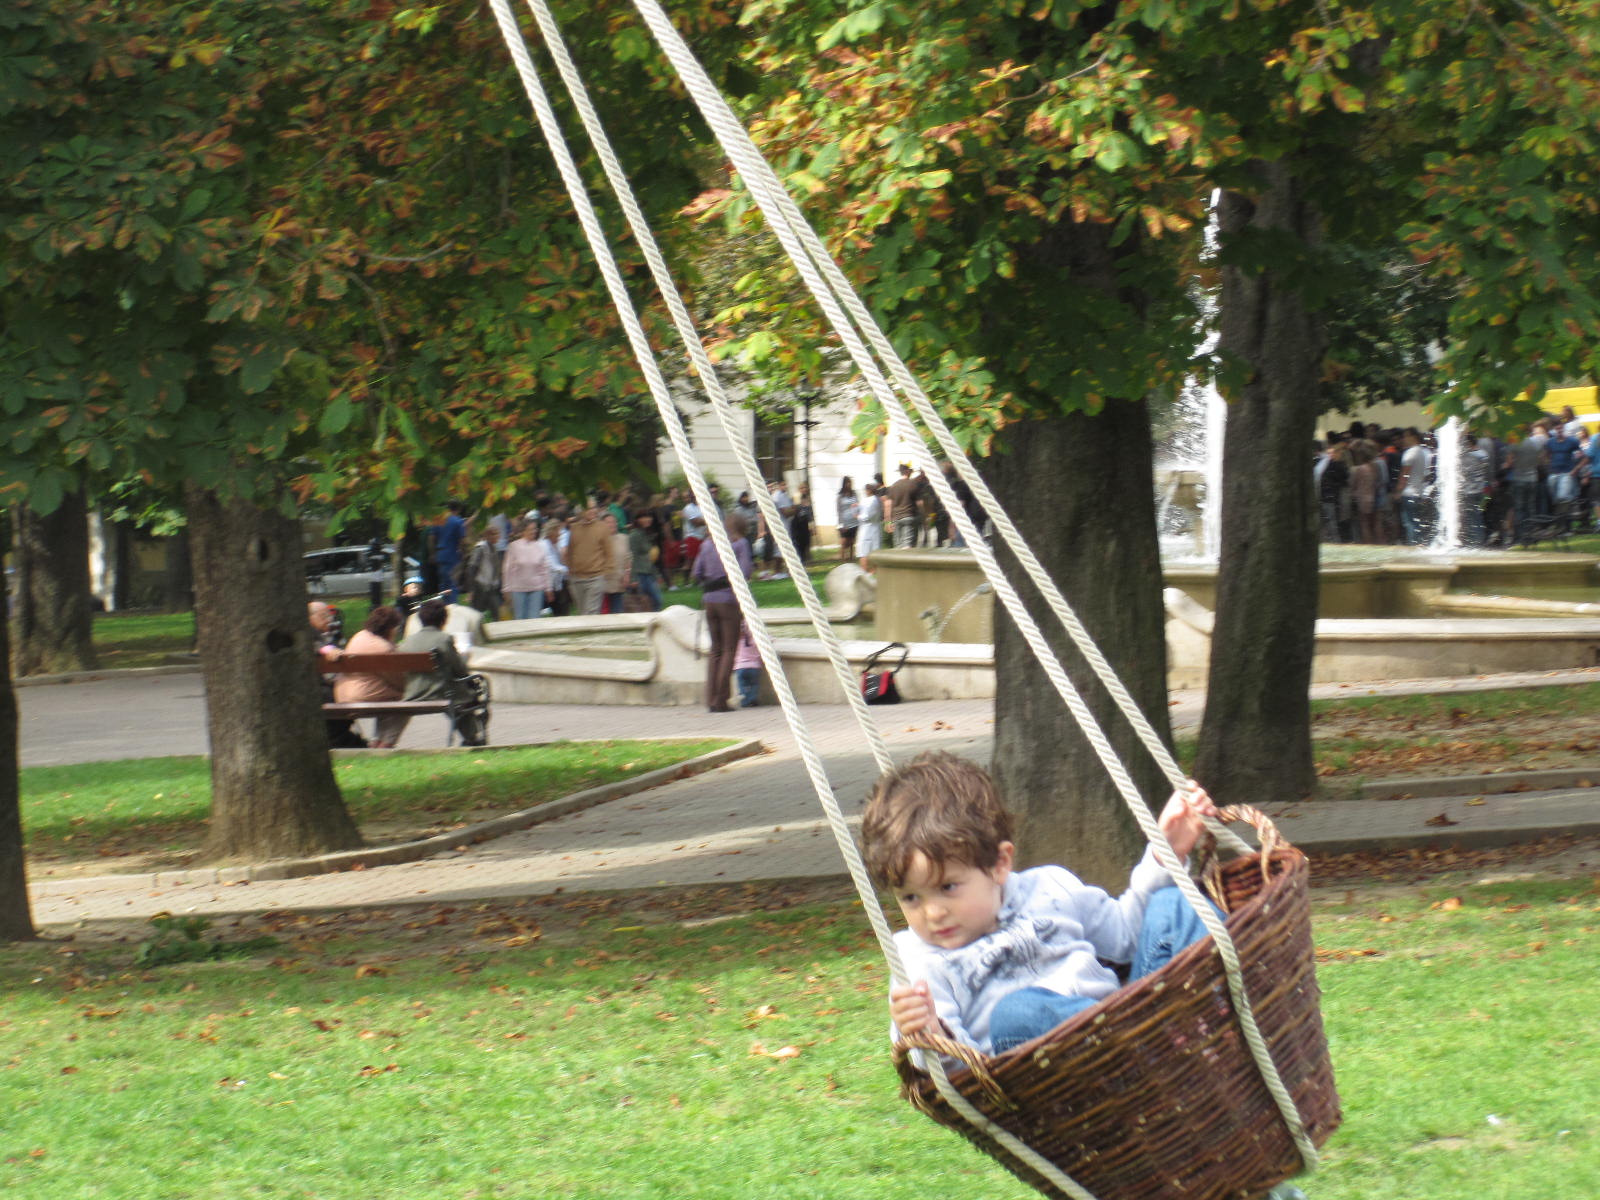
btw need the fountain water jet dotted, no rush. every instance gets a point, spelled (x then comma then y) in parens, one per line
(1447, 487)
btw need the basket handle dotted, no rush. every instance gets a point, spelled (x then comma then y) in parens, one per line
(1266, 832)
(972, 1059)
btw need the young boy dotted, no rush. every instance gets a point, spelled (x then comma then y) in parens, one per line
(999, 957)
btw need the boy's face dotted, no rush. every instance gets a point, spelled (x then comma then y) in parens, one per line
(956, 905)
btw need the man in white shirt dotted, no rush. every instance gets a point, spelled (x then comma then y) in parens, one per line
(1412, 489)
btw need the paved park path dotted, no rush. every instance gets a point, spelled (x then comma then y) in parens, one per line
(753, 819)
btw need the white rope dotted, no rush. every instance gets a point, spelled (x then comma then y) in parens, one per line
(727, 415)
(719, 535)
(592, 230)
(676, 434)
(786, 221)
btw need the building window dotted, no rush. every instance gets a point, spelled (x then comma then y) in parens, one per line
(774, 447)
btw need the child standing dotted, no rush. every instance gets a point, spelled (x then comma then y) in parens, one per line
(747, 669)
(999, 957)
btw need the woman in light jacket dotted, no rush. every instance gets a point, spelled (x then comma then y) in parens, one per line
(525, 574)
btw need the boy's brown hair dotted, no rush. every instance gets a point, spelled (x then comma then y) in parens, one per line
(945, 808)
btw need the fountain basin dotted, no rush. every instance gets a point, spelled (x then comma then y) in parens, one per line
(660, 659)
(1357, 582)
(1401, 619)
(1356, 651)
(919, 590)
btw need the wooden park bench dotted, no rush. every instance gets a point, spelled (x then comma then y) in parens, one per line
(474, 689)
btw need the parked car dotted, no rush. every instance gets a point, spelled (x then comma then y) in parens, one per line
(352, 570)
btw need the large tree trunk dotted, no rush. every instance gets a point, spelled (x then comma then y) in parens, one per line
(1081, 489)
(54, 605)
(16, 918)
(273, 792)
(1255, 740)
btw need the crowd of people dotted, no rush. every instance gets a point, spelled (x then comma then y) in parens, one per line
(623, 551)
(609, 553)
(909, 510)
(1381, 486)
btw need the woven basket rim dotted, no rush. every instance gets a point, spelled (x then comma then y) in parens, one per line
(1294, 863)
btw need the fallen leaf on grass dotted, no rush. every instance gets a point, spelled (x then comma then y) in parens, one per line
(368, 1072)
(366, 970)
(1449, 905)
(758, 1050)
(1341, 953)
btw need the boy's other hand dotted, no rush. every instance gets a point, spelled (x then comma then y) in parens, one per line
(911, 1010)
(1183, 819)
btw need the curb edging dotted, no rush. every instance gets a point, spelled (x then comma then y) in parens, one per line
(103, 674)
(1495, 783)
(420, 848)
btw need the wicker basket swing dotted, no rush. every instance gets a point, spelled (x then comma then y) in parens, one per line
(1152, 1094)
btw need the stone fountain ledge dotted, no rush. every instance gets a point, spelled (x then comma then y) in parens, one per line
(673, 670)
(1356, 651)
(659, 658)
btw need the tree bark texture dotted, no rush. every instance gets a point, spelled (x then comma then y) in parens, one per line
(1255, 738)
(16, 917)
(273, 792)
(54, 605)
(1081, 489)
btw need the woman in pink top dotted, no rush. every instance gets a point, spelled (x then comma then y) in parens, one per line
(375, 637)
(525, 573)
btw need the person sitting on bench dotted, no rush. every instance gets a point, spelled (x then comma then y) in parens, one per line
(375, 637)
(447, 681)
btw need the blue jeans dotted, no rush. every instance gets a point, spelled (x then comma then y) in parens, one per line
(447, 578)
(650, 588)
(525, 606)
(1525, 501)
(1169, 926)
(1416, 520)
(749, 681)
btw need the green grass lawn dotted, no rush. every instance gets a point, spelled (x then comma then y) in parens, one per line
(1451, 733)
(159, 805)
(1583, 543)
(769, 593)
(460, 1053)
(1534, 703)
(142, 639)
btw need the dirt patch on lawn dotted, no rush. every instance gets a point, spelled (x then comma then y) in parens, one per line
(1349, 743)
(145, 851)
(573, 918)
